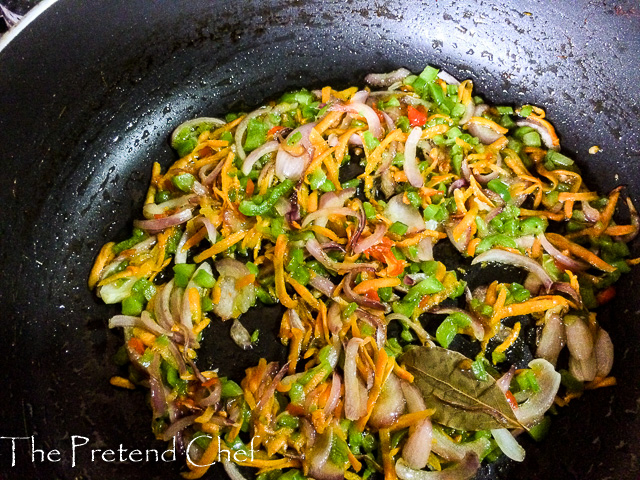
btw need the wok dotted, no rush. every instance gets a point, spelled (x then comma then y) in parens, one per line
(89, 93)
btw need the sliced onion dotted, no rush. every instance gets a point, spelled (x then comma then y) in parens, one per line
(425, 250)
(410, 160)
(256, 154)
(583, 370)
(314, 248)
(413, 397)
(398, 211)
(387, 79)
(469, 112)
(460, 183)
(590, 214)
(486, 178)
(579, 339)
(510, 258)
(159, 224)
(509, 446)
(151, 210)
(178, 426)
(603, 353)
(549, 141)
(336, 199)
(387, 183)
(325, 213)
(389, 121)
(194, 122)
(211, 230)
(462, 243)
(289, 166)
(361, 300)
(417, 449)
(271, 389)
(161, 305)
(454, 451)
(484, 133)
(334, 318)
(321, 466)
(566, 262)
(181, 254)
(240, 335)
(373, 239)
(447, 77)
(504, 381)
(464, 470)
(531, 411)
(233, 302)
(389, 405)
(323, 285)
(355, 394)
(364, 110)
(242, 127)
(334, 395)
(566, 288)
(553, 338)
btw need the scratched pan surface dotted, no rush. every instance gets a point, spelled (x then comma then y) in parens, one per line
(89, 93)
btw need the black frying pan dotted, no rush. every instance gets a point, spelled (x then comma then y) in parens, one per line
(89, 93)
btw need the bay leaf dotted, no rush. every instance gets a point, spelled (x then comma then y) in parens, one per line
(461, 400)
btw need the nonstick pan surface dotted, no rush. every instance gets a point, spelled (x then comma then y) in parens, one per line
(89, 93)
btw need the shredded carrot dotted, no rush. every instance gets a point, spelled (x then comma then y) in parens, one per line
(491, 295)
(207, 459)
(536, 305)
(471, 248)
(468, 221)
(402, 373)
(194, 304)
(327, 121)
(382, 370)
(410, 419)
(104, 257)
(387, 460)
(577, 197)
(122, 383)
(195, 239)
(326, 94)
(563, 244)
(244, 281)
(220, 246)
(510, 339)
(278, 263)
(305, 294)
(415, 239)
(375, 284)
(485, 122)
(600, 382)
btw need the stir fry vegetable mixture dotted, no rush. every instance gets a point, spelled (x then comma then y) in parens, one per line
(330, 203)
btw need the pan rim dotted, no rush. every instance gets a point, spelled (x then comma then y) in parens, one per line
(34, 13)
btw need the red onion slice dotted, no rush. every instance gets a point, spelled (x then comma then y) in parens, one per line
(373, 239)
(160, 224)
(398, 211)
(590, 214)
(410, 160)
(531, 411)
(256, 154)
(635, 222)
(389, 405)
(504, 381)
(355, 394)
(323, 285)
(453, 451)
(151, 210)
(324, 213)
(364, 110)
(178, 426)
(552, 339)
(604, 353)
(417, 449)
(359, 299)
(232, 470)
(568, 263)
(579, 339)
(484, 133)
(547, 139)
(242, 127)
(583, 370)
(469, 112)
(387, 79)
(314, 248)
(510, 258)
(334, 395)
